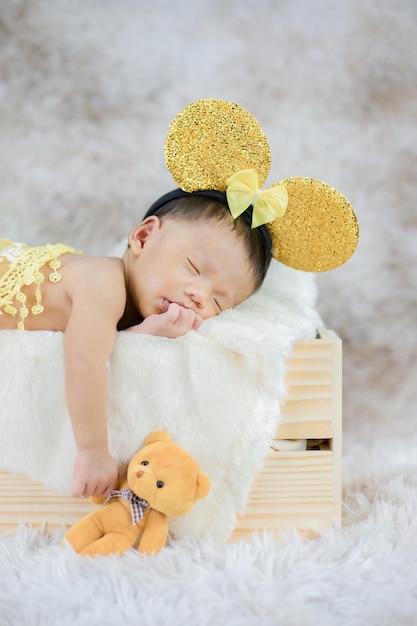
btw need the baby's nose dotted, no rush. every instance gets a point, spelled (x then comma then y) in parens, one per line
(198, 294)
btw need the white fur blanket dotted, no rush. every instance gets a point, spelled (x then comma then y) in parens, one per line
(217, 392)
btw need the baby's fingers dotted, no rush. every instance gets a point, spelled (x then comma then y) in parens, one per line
(182, 319)
(78, 488)
(197, 321)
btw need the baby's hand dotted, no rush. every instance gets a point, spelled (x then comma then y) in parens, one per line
(95, 473)
(175, 322)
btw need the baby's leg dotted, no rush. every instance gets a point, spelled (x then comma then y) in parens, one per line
(84, 532)
(112, 543)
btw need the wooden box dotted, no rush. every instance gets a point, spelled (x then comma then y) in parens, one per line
(294, 489)
(302, 489)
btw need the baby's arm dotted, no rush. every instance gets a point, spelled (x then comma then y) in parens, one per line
(88, 342)
(87, 347)
(175, 322)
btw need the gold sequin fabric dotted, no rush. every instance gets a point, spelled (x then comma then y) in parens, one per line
(210, 140)
(25, 264)
(319, 230)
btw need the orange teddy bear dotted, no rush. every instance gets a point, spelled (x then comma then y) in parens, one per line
(162, 480)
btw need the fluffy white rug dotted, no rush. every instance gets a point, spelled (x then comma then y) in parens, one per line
(87, 92)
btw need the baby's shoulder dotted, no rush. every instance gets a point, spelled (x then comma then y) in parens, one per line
(95, 272)
(96, 283)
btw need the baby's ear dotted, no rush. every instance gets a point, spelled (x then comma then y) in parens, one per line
(142, 232)
(157, 435)
(203, 486)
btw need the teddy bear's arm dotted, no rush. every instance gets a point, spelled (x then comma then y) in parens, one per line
(155, 534)
(97, 499)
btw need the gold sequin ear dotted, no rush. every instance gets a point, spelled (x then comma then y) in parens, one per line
(210, 140)
(319, 230)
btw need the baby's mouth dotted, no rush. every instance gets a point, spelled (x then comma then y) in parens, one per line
(165, 304)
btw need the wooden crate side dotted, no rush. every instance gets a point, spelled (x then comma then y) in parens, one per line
(308, 411)
(302, 490)
(293, 490)
(336, 441)
(24, 501)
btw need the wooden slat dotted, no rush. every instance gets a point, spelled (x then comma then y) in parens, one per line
(309, 408)
(293, 489)
(24, 501)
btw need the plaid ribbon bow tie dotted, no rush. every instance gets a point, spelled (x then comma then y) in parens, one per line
(137, 505)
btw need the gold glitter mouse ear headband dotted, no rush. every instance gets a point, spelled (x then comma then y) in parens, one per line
(218, 145)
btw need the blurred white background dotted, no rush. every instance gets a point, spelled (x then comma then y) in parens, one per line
(89, 88)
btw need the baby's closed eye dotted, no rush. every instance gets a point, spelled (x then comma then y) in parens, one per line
(193, 266)
(217, 305)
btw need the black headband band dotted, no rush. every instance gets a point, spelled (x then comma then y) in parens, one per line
(176, 194)
(212, 194)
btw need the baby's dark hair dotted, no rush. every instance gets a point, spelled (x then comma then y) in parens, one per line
(212, 205)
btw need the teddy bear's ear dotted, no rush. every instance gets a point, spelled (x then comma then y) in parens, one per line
(157, 435)
(203, 486)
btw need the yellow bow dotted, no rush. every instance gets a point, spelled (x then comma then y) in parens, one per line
(243, 190)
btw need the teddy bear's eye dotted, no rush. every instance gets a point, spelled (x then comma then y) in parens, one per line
(145, 463)
(159, 484)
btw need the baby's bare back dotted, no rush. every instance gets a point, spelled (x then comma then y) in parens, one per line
(87, 282)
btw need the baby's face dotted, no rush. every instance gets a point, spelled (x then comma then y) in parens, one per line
(198, 265)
